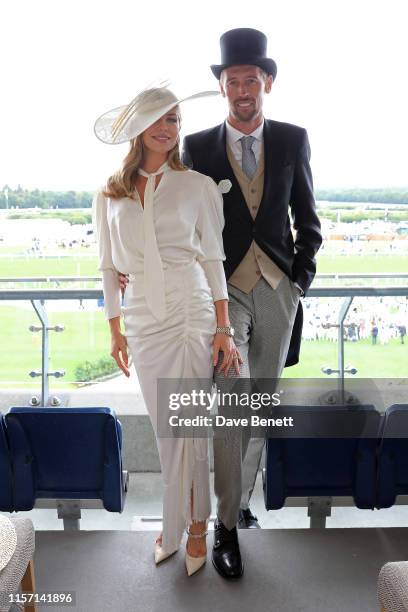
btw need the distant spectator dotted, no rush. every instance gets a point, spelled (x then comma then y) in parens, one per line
(374, 332)
(402, 330)
(352, 332)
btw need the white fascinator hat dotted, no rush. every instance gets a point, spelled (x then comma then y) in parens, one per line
(126, 122)
(8, 540)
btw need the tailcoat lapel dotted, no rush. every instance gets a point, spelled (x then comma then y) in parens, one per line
(221, 169)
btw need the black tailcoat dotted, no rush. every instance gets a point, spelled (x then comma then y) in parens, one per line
(288, 185)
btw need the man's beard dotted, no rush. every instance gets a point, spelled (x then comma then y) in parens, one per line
(247, 117)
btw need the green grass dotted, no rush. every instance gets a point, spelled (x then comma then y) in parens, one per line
(379, 361)
(85, 338)
(362, 264)
(87, 266)
(86, 335)
(9, 250)
(67, 266)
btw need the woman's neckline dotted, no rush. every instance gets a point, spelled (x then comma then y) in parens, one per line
(157, 188)
(161, 169)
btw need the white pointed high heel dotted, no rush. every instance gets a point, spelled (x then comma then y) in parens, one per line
(193, 564)
(160, 555)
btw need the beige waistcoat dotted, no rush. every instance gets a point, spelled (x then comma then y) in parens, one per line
(255, 263)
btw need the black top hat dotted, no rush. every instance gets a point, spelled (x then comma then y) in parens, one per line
(244, 46)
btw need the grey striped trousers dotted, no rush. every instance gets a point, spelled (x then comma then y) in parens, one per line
(263, 321)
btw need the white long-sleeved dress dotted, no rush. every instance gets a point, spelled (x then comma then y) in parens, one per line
(188, 223)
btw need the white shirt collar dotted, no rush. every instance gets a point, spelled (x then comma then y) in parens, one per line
(234, 135)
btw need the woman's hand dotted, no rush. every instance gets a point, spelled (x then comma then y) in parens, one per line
(119, 351)
(123, 281)
(226, 344)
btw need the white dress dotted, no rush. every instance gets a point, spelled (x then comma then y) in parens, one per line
(188, 223)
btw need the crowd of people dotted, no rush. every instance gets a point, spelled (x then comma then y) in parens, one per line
(380, 319)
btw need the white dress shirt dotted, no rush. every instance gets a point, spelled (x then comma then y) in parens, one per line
(188, 219)
(233, 141)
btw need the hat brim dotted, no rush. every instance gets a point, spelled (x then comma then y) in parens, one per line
(139, 122)
(265, 63)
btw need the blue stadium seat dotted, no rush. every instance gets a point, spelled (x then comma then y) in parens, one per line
(393, 456)
(324, 466)
(6, 492)
(66, 453)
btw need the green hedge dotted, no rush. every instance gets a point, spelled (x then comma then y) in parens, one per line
(74, 218)
(90, 370)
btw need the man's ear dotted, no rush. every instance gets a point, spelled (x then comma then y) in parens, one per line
(222, 90)
(268, 83)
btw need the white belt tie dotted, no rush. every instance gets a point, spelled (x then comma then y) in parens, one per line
(153, 277)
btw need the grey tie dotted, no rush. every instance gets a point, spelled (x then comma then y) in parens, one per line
(248, 156)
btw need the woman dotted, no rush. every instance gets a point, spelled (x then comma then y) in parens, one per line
(161, 224)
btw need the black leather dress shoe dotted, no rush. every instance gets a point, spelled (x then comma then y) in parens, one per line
(226, 556)
(247, 520)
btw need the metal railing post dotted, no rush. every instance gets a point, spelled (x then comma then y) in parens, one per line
(340, 349)
(38, 306)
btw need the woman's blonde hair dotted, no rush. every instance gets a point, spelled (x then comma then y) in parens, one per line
(122, 183)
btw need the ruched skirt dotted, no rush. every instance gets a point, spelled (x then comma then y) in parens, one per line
(178, 348)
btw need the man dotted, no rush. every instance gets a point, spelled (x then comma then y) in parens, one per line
(264, 166)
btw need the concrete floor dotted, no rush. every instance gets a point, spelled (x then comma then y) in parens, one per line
(288, 567)
(291, 570)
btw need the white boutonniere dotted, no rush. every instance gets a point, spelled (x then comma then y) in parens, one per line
(224, 186)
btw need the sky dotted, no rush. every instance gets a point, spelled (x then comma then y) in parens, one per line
(342, 69)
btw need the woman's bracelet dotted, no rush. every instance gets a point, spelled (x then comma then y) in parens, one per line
(227, 330)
